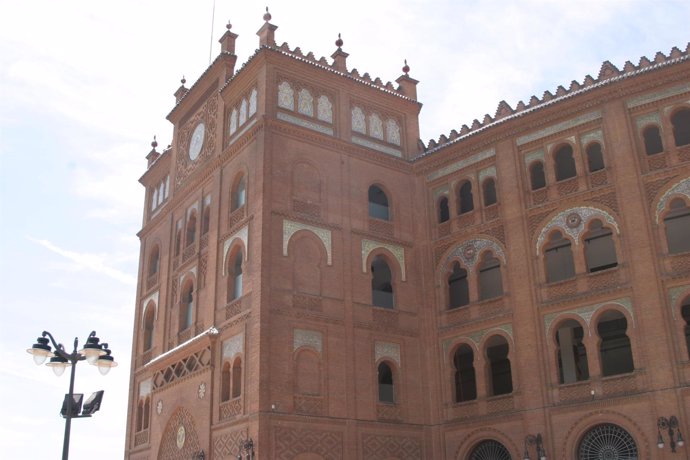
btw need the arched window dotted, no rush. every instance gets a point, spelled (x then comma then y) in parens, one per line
(595, 158)
(308, 375)
(237, 378)
(565, 163)
(607, 441)
(378, 203)
(681, 127)
(187, 307)
(206, 216)
(465, 199)
(225, 382)
(536, 175)
(500, 375)
(600, 250)
(443, 211)
(191, 229)
(490, 281)
(614, 346)
(677, 224)
(489, 187)
(147, 413)
(490, 450)
(652, 140)
(154, 260)
(239, 193)
(149, 318)
(381, 283)
(178, 237)
(465, 378)
(572, 354)
(140, 415)
(458, 287)
(385, 383)
(558, 256)
(235, 276)
(685, 313)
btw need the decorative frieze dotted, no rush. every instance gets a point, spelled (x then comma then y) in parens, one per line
(376, 146)
(537, 155)
(153, 297)
(383, 350)
(398, 252)
(305, 123)
(306, 338)
(648, 119)
(465, 162)
(558, 127)
(291, 227)
(233, 346)
(596, 135)
(679, 188)
(468, 252)
(573, 222)
(587, 312)
(487, 172)
(145, 388)
(570, 139)
(243, 235)
(673, 296)
(476, 337)
(657, 95)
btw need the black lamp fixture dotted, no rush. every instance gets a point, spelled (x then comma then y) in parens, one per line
(669, 425)
(535, 440)
(200, 455)
(94, 353)
(247, 448)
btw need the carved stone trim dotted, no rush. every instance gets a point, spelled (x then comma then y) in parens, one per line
(550, 146)
(451, 168)
(597, 135)
(398, 252)
(476, 337)
(185, 274)
(243, 235)
(657, 95)
(648, 119)
(673, 296)
(468, 252)
(679, 188)
(387, 350)
(558, 127)
(442, 190)
(305, 123)
(153, 297)
(306, 338)
(233, 346)
(573, 221)
(290, 227)
(376, 146)
(532, 156)
(145, 387)
(487, 172)
(587, 312)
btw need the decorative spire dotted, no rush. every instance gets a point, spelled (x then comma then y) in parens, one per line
(267, 15)
(154, 144)
(228, 25)
(153, 154)
(339, 41)
(406, 68)
(183, 81)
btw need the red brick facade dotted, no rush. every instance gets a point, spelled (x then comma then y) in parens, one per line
(288, 180)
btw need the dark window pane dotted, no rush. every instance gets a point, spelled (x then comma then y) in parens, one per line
(458, 287)
(489, 192)
(565, 163)
(378, 203)
(652, 140)
(537, 177)
(466, 201)
(381, 284)
(595, 159)
(681, 127)
(443, 211)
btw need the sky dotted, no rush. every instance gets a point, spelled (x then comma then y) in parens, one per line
(85, 85)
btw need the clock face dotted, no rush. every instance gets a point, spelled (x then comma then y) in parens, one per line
(197, 141)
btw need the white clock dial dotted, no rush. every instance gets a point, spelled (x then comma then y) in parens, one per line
(197, 141)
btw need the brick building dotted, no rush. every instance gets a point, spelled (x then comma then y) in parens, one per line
(316, 279)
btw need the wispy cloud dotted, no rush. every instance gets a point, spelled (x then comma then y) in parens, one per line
(87, 261)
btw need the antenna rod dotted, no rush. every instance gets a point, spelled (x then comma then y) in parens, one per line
(210, 46)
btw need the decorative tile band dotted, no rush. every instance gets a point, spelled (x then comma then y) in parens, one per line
(648, 119)
(657, 95)
(468, 252)
(570, 140)
(573, 222)
(233, 346)
(592, 136)
(532, 156)
(397, 251)
(558, 127)
(679, 188)
(587, 312)
(306, 338)
(153, 297)
(305, 123)
(487, 172)
(451, 168)
(387, 350)
(376, 146)
(241, 234)
(291, 227)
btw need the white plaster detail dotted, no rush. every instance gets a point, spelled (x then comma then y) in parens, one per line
(388, 350)
(324, 111)
(392, 132)
(181, 436)
(375, 126)
(587, 312)
(558, 127)
(674, 294)
(358, 121)
(476, 337)
(243, 112)
(679, 188)
(570, 140)
(159, 406)
(376, 146)
(145, 387)
(533, 156)
(305, 102)
(468, 253)
(305, 123)
(398, 252)
(487, 172)
(243, 235)
(592, 136)
(291, 227)
(193, 207)
(441, 190)
(153, 297)
(565, 220)
(186, 274)
(648, 119)
(201, 392)
(657, 95)
(286, 96)
(233, 346)
(451, 168)
(252, 102)
(306, 338)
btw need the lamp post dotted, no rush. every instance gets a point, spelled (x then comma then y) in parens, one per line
(532, 440)
(94, 353)
(670, 425)
(246, 446)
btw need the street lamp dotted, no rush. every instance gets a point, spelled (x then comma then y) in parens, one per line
(94, 353)
(532, 440)
(246, 446)
(670, 425)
